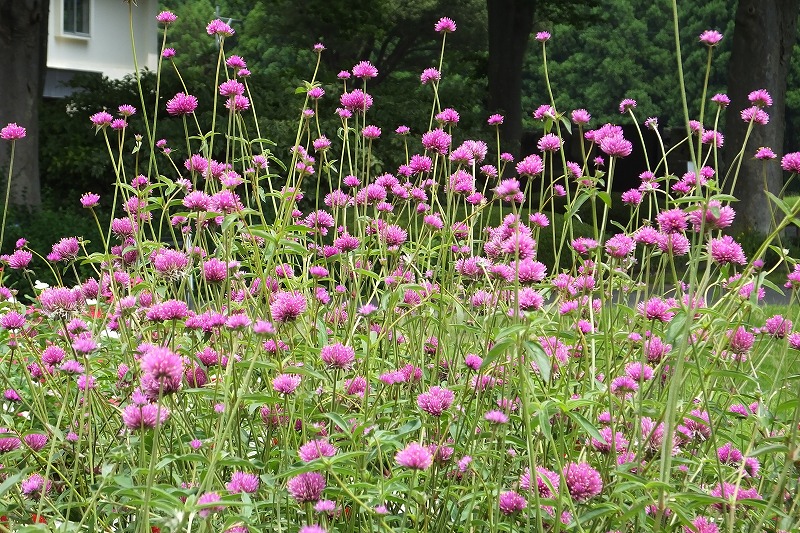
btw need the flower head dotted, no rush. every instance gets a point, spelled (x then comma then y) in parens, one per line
(583, 481)
(182, 104)
(166, 17)
(90, 199)
(710, 37)
(445, 25)
(760, 98)
(365, 70)
(338, 355)
(414, 456)
(306, 487)
(436, 401)
(12, 132)
(511, 502)
(219, 28)
(791, 162)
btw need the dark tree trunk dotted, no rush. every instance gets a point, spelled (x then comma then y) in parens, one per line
(23, 56)
(510, 25)
(762, 47)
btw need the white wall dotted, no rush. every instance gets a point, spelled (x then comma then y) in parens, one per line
(108, 47)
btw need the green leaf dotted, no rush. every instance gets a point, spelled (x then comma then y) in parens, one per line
(541, 359)
(676, 326)
(605, 197)
(585, 424)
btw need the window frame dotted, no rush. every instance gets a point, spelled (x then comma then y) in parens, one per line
(84, 16)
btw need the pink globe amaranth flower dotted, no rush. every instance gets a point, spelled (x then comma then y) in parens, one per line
(89, 200)
(12, 321)
(315, 93)
(721, 100)
(394, 236)
(219, 28)
(616, 146)
(65, 250)
(627, 104)
(11, 395)
(511, 502)
(314, 449)
(791, 162)
(215, 270)
(543, 36)
(313, 528)
(371, 132)
(242, 482)
(727, 454)
(715, 217)
(162, 364)
(623, 385)
(725, 250)
(12, 132)
(632, 197)
(236, 62)
(306, 487)
(495, 120)
(166, 17)
(740, 341)
(777, 326)
(581, 116)
(549, 143)
(414, 456)
(168, 53)
(8, 444)
(143, 417)
(365, 70)
(794, 341)
(710, 37)
(34, 485)
(101, 119)
(60, 301)
(445, 25)
(765, 153)
(702, 524)
(448, 116)
(620, 246)
(713, 137)
(231, 88)
(338, 355)
(286, 383)
(208, 503)
(756, 115)
(238, 103)
(429, 75)
(437, 140)
(760, 98)
(436, 401)
(583, 481)
(657, 309)
(182, 104)
(732, 493)
(496, 417)
(356, 100)
(36, 441)
(287, 306)
(672, 220)
(531, 166)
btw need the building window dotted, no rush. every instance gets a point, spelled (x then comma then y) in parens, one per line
(76, 17)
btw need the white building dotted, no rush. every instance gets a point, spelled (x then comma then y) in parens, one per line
(94, 36)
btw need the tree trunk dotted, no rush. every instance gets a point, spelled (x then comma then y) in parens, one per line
(510, 25)
(763, 38)
(23, 49)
